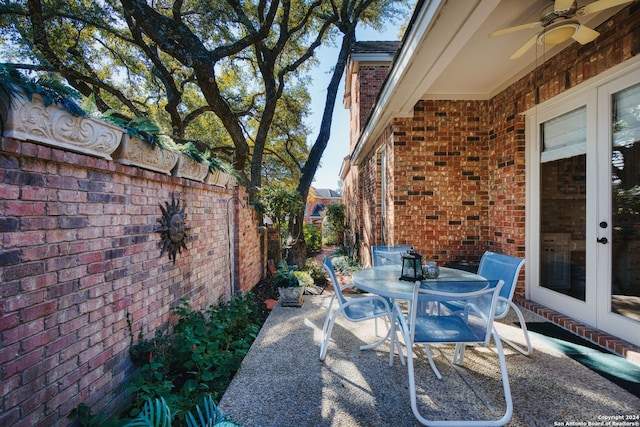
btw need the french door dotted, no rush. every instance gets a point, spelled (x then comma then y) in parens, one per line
(583, 160)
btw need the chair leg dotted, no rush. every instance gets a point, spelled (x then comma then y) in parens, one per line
(458, 355)
(504, 419)
(529, 349)
(431, 362)
(506, 388)
(326, 336)
(327, 327)
(395, 342)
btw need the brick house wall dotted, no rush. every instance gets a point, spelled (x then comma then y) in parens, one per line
(365, 84)
(364, 213)
(458, 167)
(78, 257)
(442, 179)
(370, 80)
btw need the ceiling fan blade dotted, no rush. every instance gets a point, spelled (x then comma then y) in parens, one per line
(516, 28)
(562, 5)
(599, 5)
(585, 35)
(525, 47)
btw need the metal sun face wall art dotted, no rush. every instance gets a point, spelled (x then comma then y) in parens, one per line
(172, 229)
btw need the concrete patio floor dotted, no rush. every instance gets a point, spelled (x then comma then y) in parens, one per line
(283, 383)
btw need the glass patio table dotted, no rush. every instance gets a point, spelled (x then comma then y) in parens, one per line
(385, 281)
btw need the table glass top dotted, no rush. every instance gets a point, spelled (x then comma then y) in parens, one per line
(385, 281)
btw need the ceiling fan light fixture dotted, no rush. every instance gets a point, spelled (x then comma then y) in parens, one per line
(557, 34)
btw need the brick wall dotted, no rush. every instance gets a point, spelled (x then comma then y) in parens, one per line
(363, 188)
(368, 198)
(365, 86)
(507, 184)
(351, 196)
(370, 79)
(441, 179)
(78, 254)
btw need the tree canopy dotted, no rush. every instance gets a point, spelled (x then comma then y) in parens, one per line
(229, 76)
(226, 74)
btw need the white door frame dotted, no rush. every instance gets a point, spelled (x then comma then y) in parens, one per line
(582, 310)
(595, 310)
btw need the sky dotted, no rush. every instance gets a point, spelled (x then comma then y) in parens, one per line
(328, 174)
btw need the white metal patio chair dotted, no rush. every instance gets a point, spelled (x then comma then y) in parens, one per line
(356, 309)
(473, 325)
(388, 255)
(494, 266)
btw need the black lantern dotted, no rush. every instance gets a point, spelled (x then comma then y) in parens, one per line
(411, 266)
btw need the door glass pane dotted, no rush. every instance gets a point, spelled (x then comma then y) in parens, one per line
(625, 186)
(563, 201)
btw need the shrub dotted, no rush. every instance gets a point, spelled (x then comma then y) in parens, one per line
(198, 359)
(303, 277)
(313, 239)
(316, 272)
(333, 224)
(345, 265)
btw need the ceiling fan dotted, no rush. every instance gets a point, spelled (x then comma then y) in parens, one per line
(559, 23)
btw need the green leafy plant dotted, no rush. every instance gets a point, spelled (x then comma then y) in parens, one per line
(210, 416)
(81, 416)
(304, 278)
(313, 239)
(344, 264)
(316, 272)
(152, 380)
(216, 164)
(14, 84)
(144, 128)
(284, 277)
(155, 413)
(219, 164)
(158, 346)
(190, 150)
(199, 358)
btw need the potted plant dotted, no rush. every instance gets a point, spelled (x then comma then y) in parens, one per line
(142, 144)
(221, 173)
(291, 284)
(44, 110)
(191, 163)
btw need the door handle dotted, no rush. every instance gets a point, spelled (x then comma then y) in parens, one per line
(602, 240)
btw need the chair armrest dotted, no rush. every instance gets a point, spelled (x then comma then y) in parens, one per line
(347, 286)
(359, 300)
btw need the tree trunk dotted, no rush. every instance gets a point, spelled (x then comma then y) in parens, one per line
(297, 254)
(299, 250)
